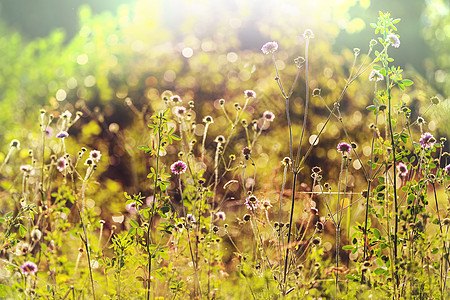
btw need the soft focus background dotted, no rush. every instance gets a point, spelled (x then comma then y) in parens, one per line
(113, 59)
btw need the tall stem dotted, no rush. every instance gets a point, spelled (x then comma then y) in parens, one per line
(286, 258)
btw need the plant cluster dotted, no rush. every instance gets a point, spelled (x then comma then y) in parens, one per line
(204, 224)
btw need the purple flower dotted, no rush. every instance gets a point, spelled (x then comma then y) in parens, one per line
(344, 148)
(269, 47)
(131, 208)
(375, 75)
(402, 169)
(179, 111)
(62, 134)
(26, 168)
(427, 140)
(395, 41)
(251, 202)
(95, 155)
(178, 167)
(28, 268)
(176, 99)
(268, 116)
(221, 215)
(49, 131)
(61, 164)
(190, 218)
(447, 168)
(250, 94)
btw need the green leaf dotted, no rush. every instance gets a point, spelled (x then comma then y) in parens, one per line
(379, 271)
(134, 224)
(407, 82)
(377, 233)
(22, 230)
(381, 180)
(371, 107)
(348, 247)
(401, 86)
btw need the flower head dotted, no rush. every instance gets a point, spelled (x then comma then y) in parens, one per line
(15, 144)
(268, 116)
(208, 119)
(427, 140)
(62, 134)
(221, 215)
(176, 99)
(61, 164)
(250, 94)
(308, 34)
(179, 111)
(220, 139)
(178, 167)
(95, 155)
(251, 202)
(48, 131)
(190, 218)
(344, 148)
(26, 168)
(269, 47)
(395, 41)
(131, 208)
(375, 75)
(246, 151)
(28, 268)
(447, 168)
(402, 169)
(89, 162)
(66, 115)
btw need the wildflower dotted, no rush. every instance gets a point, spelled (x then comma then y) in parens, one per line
(250, 94)
(15, 144)
(269, 47)
(251, 202)
(375, 75)
(316, 92)
(266, 204)
(208, 119)
(299, 61)
(36, 234)
(222, 102)
(26, 168)
(246, 151)
(372, 43)
(286, 161)
(447, 168)
(402, 169)
(427, 140)
(89, 162)
(66, 115)
(179, 111)
(220, 139)
(356, 51)
(395, 41)
(61, 164)
(49, 131)
(344, 148)
(221, 215)
(178, 167)
(28, 268)
(308, 34)
(420, 120)
(131, 208)
(176, 99)
(268, 116)
(246, 217)
(435, 100)
(95, 155)
(316, 170)
(62, 134)
(190, 218)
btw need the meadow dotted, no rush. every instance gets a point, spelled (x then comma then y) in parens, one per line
(285, 173)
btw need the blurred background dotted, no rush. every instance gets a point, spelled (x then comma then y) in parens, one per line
(113, 59)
